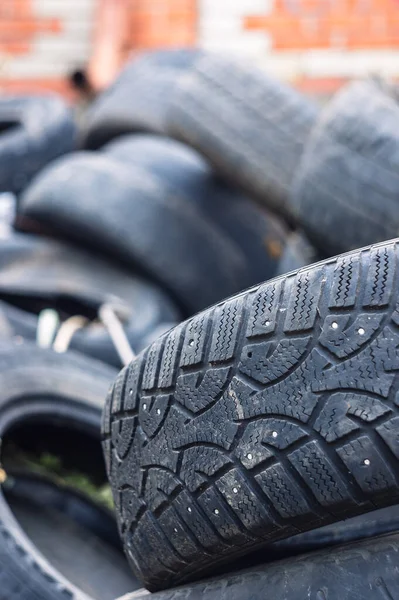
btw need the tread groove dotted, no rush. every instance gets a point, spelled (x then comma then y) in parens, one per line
(287, 388)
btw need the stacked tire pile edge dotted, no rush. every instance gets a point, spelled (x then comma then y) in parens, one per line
(208, 266)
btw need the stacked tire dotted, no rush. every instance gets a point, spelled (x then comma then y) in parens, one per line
(260, 432)
(52, 403)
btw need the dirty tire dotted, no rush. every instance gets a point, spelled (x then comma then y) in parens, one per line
(369, 525)
(33, 131)
(42, 389)
(149, 224)
(258, 235)
(346, 190)
(90, 554)
(366, 570)
(142, 327)
(298, 253)
(251, 128)
(38, 273)
(155, 334)
(139, 99)
(272, 413)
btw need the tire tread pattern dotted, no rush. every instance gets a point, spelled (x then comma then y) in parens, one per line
(276, 412)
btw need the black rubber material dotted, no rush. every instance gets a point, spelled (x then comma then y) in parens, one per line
(147, 220)
(364, 526)
(173, 58)
(139, 99)
(250, 127)
(376, 523)
(347, 187)
(33, 131)
(298, 252)
(368, 570)
(46, 400)
(259, 235)
(272, 413)
(78, 537)
(156, 333)
(38, 273)
(93, 340)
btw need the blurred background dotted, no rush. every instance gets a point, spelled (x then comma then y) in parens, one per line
(315, 44)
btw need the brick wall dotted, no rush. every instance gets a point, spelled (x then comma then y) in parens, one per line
(309, 41)
(42, 41)
(125, 27)
(315, 43)
(162, 23)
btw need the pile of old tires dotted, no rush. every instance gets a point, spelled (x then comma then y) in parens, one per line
(186, 232)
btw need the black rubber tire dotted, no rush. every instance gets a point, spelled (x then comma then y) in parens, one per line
(272, 413)
(38, 273)
(298, 253)
(33, 131)
(93, 340)
(369, 525)
(347, 187)
(368, 570)
(180, 58)
(250, 127)
(156, 333)
(43, 398)
(260, 236)
(139, 99)
(77, 536)
(136, 216)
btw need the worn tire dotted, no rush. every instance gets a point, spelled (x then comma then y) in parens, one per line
(90, 554)
(138, 218)
(259, 235)
(272, 413)
(368, 570)
(347, 187)
(33, 131)
(49, 403)
(298, 252)
(139, 98)
(250, 127)
(156, 333)
(142, 327)
(369, 525)
(38, 273)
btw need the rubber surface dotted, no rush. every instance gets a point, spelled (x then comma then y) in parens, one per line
(272, 413)
(254, 231)
(368, 570)
(139, 98)
(93, 340)
(250, 127)
(33, 131)
(346, 191)
(364, 526)
(78, 537)
(67, 392)
(372, 524)
(140, 218)
(38, 273)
